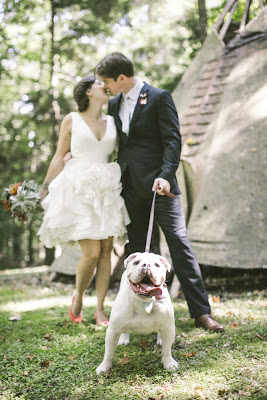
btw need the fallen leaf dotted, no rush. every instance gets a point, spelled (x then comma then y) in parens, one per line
(2, 337)
(230, 314)
(251, 316)
(190, 354)
(215, 299)
(243, 393)
(143, 344)
(30, 357)
(199, 391)
(183, 319)
(183, 334)
(223, 392)
(65, 322)
(43, 347)
(5, 357)
(45, 364)
(21, 339)
(72, 357)
(234, 325)
(48, 336)
(256, 391)
(26, 373)
(15, 318)
(124, 360)
(259, 336)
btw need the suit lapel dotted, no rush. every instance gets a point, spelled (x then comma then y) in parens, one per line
(136, 113)
(138, 107)
(118, 122)
(117, 110)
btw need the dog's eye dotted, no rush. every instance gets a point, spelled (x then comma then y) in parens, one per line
(157, 265)
(136, 262)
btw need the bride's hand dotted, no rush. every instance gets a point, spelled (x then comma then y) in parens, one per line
(67, 157)
(43, 192)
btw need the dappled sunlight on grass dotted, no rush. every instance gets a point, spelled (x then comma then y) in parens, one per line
(47, 302)
(44, 355)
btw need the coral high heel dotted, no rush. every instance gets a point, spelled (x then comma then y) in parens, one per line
(75, 318)
(102, 323)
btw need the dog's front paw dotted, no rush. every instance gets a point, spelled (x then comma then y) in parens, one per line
(124, 339)
(170, 363)
(103, 367)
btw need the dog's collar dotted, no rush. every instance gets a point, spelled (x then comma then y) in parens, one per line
(148, 305)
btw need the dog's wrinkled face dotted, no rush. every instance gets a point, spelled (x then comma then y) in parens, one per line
(146, 272)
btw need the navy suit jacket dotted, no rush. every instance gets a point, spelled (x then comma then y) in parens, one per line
(153, 145)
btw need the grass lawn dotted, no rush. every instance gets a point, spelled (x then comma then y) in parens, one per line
(44, 356)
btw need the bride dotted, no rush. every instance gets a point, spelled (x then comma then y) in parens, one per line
(83, 205)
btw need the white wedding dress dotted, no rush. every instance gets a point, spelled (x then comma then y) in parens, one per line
(84, 200)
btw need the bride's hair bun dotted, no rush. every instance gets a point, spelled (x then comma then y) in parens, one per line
(79, 92)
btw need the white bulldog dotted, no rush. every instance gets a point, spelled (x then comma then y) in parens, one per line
(143, 305)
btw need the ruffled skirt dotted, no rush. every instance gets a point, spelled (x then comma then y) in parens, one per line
(84, 202)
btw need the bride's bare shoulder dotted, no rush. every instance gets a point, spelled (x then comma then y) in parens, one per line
(67, 119)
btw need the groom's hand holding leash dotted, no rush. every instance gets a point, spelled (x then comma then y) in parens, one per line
(162, 186)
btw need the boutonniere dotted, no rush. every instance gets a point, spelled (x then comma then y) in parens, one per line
(143, 99)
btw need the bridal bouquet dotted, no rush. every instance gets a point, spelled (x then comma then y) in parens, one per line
(21, 199)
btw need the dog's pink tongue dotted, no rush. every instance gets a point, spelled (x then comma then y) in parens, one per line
(152, 290)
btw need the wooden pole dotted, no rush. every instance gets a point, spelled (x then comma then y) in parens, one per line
(227, 23)
(245, 16)
(227, 7)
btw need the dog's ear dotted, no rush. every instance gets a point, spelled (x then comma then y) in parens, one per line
(130, 258)
(166, 263)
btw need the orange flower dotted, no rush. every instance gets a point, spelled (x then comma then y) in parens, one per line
(14, 189)
(6, 204)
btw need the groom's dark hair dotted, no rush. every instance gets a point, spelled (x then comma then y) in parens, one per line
(114, 65)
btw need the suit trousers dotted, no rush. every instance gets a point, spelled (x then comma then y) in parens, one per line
(170, 217)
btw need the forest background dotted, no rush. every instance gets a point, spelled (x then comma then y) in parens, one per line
(46, 46)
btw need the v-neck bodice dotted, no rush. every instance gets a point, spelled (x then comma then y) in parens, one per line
(84, 143)
(90, 130)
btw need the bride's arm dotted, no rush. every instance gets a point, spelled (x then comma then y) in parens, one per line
(56, 165)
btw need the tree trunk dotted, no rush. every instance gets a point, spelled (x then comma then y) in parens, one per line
(54, 67)
(55, 110)
(49, 256)
(30, 247)
(16, 239)
(202, 19)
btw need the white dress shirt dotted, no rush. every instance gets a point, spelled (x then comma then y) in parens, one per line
(131, 97)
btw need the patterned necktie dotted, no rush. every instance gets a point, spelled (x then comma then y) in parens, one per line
(126, 116)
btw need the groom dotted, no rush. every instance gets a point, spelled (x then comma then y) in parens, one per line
(149, 154)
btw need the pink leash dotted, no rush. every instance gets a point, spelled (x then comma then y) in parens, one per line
(151, 218)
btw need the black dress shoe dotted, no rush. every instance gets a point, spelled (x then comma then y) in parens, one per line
(207, 322)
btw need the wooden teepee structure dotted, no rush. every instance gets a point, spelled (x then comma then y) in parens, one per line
(222, 104)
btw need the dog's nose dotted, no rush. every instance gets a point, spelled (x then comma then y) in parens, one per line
(146, 268)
